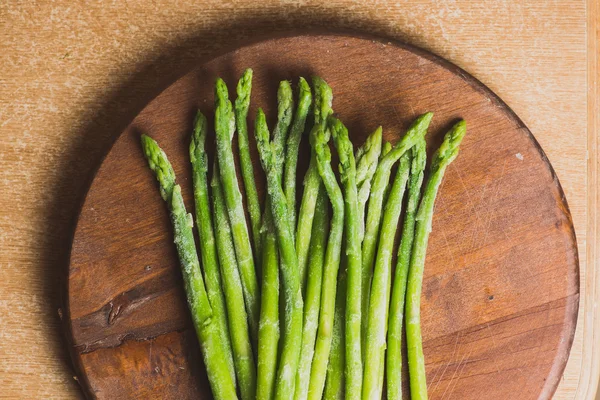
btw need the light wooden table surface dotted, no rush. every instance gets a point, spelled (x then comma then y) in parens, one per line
(72, 74)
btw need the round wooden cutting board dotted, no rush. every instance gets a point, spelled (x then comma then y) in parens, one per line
(501, 283)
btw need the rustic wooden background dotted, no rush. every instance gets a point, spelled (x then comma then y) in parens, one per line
(73, 74)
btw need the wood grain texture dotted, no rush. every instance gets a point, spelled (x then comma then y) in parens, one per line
(74, 75)
(501, 286)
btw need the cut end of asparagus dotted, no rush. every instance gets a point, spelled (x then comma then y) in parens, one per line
(160, 165)
(449, 148)
(323, 100)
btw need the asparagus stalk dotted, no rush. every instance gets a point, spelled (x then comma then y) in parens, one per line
(268, 330)
(440, 161)
(379, 184)
(232, 285)
(334, 385)
(312, 299)
(206, 235)
(325, 336)
(292, 338)
(396, 318)
(225, 127)
(242, 104)
(269, 326)
(354, 367)
(380, 286)
(312, 180)
(367, 157)
(211, 345)
(293, 145)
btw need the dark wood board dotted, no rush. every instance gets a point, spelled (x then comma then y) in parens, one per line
(501, 285)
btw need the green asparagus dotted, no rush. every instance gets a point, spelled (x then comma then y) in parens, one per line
(334, 385)
(379, 184)
(292, 147)
(354, 367)
(242, 103)
(325, 335)
(381, 283)
(232, 285)
(208, 251)
(211, 345)
(268, 330)
(441, 159)
(312, 299)
(225, 127)
(292, 337)
(312, 180)
(396, 317)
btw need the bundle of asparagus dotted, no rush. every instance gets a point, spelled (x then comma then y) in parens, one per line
(337, 327)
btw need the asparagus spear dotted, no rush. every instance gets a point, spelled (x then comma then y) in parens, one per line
(211, 345)
(380, 287)
(232, 285)
(269, 323)
(312, 180)
(394, 336)
(268, 330)
(334, 385)
(285, 107)
(367, 157)
(441, 159)
(325, 336)
(293, 144)
(312, 299)
(242, 103)
(292, 338)
(354, 367)
(225, 127)
(208, 250)
(379, 184)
